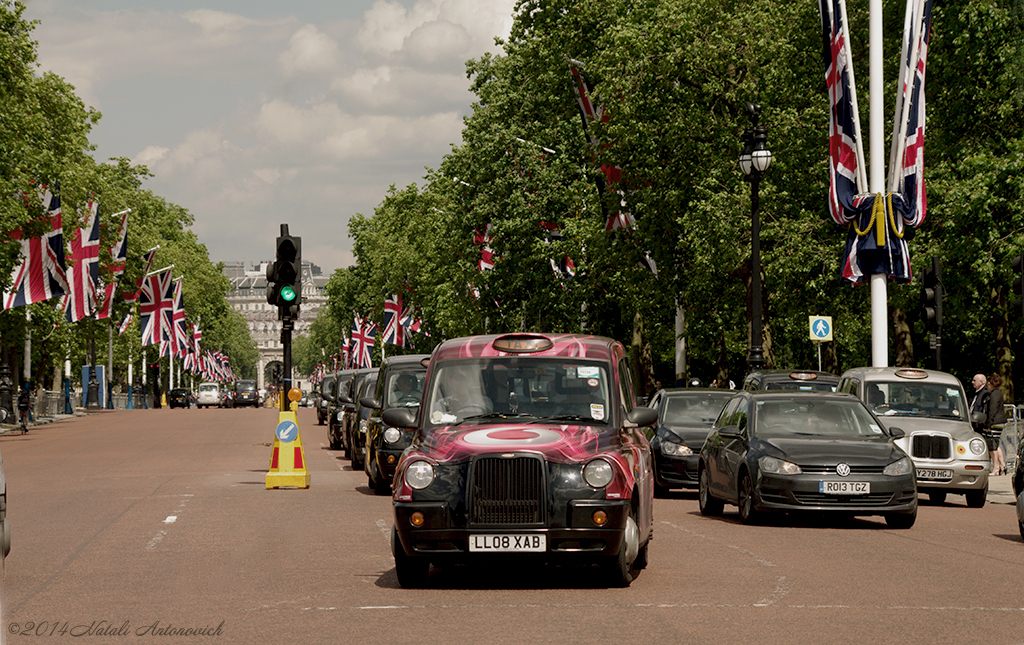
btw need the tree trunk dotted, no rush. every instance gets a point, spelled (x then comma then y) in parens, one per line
(903, 344)
(1003, 355)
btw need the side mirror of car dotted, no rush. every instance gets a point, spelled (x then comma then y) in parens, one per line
(732, 432)
(897, 433)
(343, 398)
(369, 402)
(642, 416)
(404, 418)
(978, 417)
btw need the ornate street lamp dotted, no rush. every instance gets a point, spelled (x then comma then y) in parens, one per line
(754, 161)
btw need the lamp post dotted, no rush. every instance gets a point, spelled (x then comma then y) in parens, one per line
(754, 161)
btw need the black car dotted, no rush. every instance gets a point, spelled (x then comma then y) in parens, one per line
(800, 380)
(336, 410)
(400, 385)
(349, 400)
(797, 452)
(685, 416)
(322, 401)
(1018, 486)
(178, 398)
(245, 394)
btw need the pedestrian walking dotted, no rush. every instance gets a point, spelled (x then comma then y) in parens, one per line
(994, 424)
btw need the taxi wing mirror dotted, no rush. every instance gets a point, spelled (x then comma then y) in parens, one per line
(642, 416)
(369, 402)
(732, 432)
(978, 417)
(400, 418)
(897, 433)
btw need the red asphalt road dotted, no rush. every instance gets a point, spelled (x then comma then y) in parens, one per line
(91, 501)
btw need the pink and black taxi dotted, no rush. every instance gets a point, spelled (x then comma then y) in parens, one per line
(525, 446)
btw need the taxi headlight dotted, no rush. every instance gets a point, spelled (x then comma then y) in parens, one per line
(978, 447)
(338, 417)
(899, 468)
(774, 466)
(598, 473)
(391, 435)
(419, 474)
(672, 449)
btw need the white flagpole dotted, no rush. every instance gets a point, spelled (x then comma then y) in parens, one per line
(876, 180)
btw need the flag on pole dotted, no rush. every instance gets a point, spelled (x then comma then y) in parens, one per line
(363, 340)
(483, 240)
(147, 261)
(80, 302)
(395, 330)
(118, 258)
(41, 274)
(178, 330)
(155, 305)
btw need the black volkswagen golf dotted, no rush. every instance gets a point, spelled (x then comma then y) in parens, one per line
(805, 451)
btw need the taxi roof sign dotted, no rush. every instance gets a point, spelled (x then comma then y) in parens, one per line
(522, 343)
(803, 376)
(911, 373)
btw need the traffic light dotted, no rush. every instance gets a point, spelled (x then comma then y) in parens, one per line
(1017, 306)
(931, 295)
(284, 276)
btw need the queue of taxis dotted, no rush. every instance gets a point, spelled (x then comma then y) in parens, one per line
(525, 446)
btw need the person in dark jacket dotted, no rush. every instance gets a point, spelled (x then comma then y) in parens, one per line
(996, 419)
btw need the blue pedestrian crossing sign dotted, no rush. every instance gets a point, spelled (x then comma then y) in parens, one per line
(821, 328)
(287, 431)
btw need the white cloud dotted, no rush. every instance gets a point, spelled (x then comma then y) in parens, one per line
(309, 52)
(150, 155)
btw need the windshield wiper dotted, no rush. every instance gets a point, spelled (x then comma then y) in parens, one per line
(496, 415)
(569, 417)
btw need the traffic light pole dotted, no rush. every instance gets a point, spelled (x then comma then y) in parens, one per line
(286, 369)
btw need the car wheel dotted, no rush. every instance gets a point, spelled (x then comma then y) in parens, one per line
(620, 570)
(332, 439)
(412, 571)
(379, 485)
(937, 497)
(901, 520)
(661, 491)
(708, 504)
(357, 459)
(976, 498)
(6, 537)
(319, 421)
(745, 492)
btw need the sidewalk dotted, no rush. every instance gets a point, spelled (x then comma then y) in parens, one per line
(1000, 489)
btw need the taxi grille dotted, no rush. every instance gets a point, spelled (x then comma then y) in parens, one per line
(507, 491)
(928, 446)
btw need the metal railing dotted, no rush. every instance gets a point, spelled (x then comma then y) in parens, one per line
(1013, 432)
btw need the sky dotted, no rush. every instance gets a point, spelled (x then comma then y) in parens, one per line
(254, 113)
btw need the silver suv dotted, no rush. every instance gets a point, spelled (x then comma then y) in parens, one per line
(932, 409)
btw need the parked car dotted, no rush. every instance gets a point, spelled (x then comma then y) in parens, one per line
(685, 416)
(306, 400)
(400, 384)
(932, 410)
(245, 394)
(805, 451)
(528, 447)
(209, 395)
(5, 527)
(365, 390)
(1018, 488)
(349, 400)
(335, 411)
(178, 398)
(801, 380)
(323, 400)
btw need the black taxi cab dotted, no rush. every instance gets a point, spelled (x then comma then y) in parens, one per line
(526, 447)
(400, 385)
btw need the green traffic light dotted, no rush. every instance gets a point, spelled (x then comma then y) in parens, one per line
(287, 293)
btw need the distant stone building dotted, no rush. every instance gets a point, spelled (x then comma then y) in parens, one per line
(248, 295)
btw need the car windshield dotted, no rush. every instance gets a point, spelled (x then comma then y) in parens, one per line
(207, 388)
(827, 419)
(693, 408)
(404, 389)
(495, 389)
(916, 399)
(245, 386)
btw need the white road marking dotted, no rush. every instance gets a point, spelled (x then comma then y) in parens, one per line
(780, 592)
(385, 528)
(156, 539)
(171, 519)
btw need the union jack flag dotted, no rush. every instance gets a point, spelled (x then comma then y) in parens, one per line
(41, 274)
(875, 242)
(118, 257)
(483, 240)
(395, 329)
(147, 261)
(80, 302)
(363, 339)
(156, 302)
(178, 329)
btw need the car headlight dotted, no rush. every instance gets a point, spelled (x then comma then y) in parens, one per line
(978, 447)
(362, 426)
(899, 468)
(672, 449)
(598, 473)
(775, 466)
(419, 474)
(391, 435)
(338, 417)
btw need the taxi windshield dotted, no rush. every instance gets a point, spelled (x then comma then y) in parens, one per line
(536, 389)
(916, 399)
(404, 389)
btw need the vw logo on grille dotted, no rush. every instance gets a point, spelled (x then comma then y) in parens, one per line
(843, 470)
